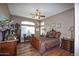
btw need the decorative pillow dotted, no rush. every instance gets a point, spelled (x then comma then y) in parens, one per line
(47, 34)
(50, 36)
(53, 34)
(57, 34)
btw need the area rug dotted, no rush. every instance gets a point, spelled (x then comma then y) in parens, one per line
(26, 49)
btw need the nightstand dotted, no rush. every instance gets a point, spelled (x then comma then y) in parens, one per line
(67, 44)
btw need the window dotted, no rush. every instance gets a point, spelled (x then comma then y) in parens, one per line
(27, 23)
(42, 23)
(26, 29)
(42, 28)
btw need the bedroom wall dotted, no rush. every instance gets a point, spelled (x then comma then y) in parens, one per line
(66, 19)
(4, 12)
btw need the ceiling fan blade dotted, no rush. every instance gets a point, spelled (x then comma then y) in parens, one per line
(32, 14)
(42, 16)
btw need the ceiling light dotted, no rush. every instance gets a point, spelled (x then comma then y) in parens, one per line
(37, 15)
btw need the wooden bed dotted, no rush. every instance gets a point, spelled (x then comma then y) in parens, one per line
(46, 43)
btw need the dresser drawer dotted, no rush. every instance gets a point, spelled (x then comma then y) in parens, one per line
(65, 44)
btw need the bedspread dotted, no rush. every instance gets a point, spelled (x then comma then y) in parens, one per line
(46, 43)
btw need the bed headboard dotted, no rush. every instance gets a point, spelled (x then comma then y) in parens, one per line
(53, 34)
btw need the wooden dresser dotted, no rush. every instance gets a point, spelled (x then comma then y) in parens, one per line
(8, 48)
(67, 44)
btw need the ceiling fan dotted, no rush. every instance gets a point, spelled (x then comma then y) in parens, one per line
(37, 15)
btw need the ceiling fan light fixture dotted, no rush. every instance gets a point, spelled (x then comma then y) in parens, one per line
(38, 15)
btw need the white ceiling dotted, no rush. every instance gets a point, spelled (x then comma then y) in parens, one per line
(48, 9)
